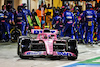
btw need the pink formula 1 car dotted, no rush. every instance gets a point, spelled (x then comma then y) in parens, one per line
(47, 44)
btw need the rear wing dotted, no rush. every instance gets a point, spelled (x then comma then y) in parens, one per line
(38, 31)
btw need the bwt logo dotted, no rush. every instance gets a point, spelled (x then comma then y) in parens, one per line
(40, 31)
(33, 53)
(37, 31)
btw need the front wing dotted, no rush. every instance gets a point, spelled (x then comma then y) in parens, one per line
(40, 53)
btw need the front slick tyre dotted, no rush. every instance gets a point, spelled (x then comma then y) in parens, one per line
(23, 57)
(73, 57)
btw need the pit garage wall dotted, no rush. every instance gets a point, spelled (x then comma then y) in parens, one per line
(1, 3)
(35, 3)
(57, 3)
(82, 3)
(16, 3)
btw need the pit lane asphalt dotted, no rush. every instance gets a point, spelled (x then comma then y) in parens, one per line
(9, 57)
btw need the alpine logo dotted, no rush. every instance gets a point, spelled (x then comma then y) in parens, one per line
(64, 53)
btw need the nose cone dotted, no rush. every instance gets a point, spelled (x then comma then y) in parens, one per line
(49, 47)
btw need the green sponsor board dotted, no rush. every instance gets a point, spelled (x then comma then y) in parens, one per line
(95, 62)
(29, 21)
(92, 61)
